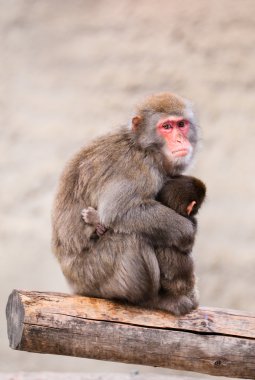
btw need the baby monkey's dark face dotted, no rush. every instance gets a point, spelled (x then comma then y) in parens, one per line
(184, 194)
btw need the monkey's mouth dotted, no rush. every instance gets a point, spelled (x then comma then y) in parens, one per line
(180, 152)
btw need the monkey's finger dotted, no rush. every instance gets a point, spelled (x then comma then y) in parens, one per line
(100, 229)
(100, 232)
(90, 209)
(85, 215)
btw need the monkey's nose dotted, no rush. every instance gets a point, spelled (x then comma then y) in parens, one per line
(177, 136)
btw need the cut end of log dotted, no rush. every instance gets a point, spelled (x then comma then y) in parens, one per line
(15, 317)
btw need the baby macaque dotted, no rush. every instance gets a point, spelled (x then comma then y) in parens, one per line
(185, 195)
(177, 294)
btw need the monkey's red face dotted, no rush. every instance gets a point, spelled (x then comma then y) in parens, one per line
(175, 132)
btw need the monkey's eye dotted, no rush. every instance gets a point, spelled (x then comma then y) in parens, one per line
(181, 124)
(167, 126)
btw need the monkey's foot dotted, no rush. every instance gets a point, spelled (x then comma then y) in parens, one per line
(90, 216)
(182, 306)
(175, 305)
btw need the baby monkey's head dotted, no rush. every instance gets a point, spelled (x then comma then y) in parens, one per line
(184, 194)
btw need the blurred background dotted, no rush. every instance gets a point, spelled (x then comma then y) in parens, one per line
(73, 70)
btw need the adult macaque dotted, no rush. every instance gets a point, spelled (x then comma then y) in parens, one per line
(177, 292)
(120, 175)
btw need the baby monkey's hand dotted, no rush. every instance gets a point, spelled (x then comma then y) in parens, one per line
(90, 216)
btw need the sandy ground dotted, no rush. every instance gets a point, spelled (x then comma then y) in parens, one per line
(72, 70)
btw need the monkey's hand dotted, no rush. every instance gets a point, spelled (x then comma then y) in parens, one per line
(90, 216)
(185, 239)
(101, 229)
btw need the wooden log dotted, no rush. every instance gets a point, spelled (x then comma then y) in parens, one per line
(209, 340)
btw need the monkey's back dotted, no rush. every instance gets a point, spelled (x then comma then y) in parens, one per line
(115, 156)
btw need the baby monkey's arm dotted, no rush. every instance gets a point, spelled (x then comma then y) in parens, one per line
(91, 216)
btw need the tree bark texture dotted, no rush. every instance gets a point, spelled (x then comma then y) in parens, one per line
(209, 340)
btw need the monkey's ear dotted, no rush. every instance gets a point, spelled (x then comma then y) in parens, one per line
(136, 122)
(190, 207)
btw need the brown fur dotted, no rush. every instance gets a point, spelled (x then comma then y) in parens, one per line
(163, 102)
(119, 175)
(180, 191)
(177, 278)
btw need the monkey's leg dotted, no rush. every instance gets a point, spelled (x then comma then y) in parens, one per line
(120, 266)
(167, 267)
(178, 293)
